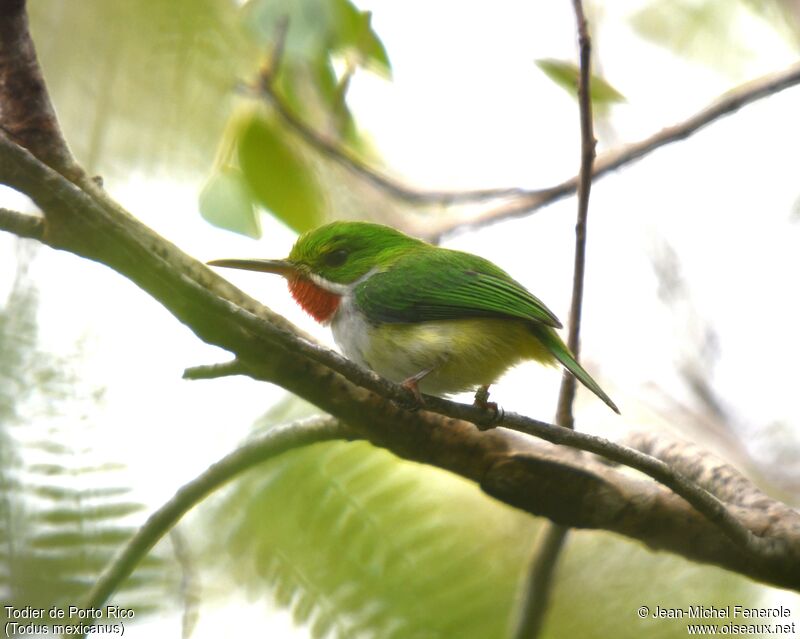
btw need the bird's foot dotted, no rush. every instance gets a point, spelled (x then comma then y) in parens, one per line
(493, 411)
(412, 386)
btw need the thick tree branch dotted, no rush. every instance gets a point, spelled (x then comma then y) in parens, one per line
(26, 113)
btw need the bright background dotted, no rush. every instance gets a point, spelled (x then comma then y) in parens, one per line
(468, 108)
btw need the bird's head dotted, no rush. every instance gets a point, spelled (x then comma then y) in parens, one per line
(325, 262)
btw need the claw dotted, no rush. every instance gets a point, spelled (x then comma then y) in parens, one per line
(494, 412)
(412, 386)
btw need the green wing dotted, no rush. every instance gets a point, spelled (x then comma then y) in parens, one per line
(553, 343)
(430, 285)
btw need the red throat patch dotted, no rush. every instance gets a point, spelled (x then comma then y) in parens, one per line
(315, 300)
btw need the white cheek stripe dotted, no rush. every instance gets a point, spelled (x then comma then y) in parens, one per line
(331, 287)
(335, 287)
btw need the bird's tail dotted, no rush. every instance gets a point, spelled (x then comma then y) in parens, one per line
(556, 346)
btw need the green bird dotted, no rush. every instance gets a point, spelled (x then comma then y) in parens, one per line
(436, 320)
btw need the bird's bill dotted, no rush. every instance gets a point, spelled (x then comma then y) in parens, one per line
(279, 267)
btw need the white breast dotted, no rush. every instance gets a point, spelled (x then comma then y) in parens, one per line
(351, 330)
(396, 351)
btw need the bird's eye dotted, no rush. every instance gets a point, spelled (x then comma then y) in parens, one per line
(336, 258)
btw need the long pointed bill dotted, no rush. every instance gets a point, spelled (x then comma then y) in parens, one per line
(279, 267)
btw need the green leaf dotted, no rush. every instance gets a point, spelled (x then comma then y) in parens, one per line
(278, 176)
(226, 202)
(565, 74)
(354, 29)
(317, 29)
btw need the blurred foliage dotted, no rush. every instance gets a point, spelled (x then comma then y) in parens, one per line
(259, 164)
(63, 512)
(566, 74)
(144, 85)
(226, 201)
(358, 543)
(706, 30)
(154, 86)
(783, 15)
(267, 170)
(317, 34)
(280, 180)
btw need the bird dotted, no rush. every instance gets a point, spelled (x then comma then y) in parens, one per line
(436, 320)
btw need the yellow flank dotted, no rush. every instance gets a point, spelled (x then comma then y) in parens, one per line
(463, 354)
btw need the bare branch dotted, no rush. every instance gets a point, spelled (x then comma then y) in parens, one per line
(30, 226)
(727, 104)
(536, 592)
(566, 396)
(349, 160)
(518, 201)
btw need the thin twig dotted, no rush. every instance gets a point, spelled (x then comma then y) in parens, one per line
(525, 201)
(213, 371)
(31, 226)
(535, 597)
(566, 397)
(394, 188)
(332, 149)
(726, 104)
(536, 594)
(273, 443)
(711, 507)
(711, 473)
(269, 70)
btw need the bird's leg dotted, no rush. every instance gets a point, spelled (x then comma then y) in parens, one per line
(412, 384)
(482, 401)
(482, 396)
